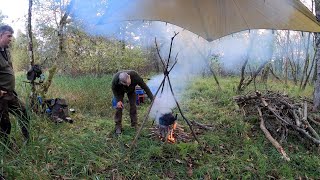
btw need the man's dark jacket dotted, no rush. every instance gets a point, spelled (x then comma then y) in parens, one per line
(7, 78)
(119, 89)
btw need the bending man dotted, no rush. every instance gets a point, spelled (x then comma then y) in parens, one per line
(125, 82)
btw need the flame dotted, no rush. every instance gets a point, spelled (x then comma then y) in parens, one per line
(171, 133)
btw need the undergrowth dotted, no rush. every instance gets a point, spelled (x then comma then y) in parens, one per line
(88, 149)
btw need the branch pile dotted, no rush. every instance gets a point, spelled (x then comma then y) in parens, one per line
(279, 116)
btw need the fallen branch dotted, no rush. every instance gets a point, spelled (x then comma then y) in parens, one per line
(207, 127)
(306, 134)
(271, 139)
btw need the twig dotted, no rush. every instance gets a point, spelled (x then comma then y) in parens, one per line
(202, 125)
(314, 121)
(296, 117)
(158, 51)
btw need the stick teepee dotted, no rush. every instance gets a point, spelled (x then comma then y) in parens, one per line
(166, 72)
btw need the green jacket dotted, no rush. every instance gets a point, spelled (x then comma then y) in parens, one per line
(7, 78)
(119, 89)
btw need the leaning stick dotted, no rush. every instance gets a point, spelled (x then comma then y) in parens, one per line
(271, 139)
(187, 121)
(158, 51)
(146, 117)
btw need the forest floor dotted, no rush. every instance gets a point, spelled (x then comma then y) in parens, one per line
(234, 147)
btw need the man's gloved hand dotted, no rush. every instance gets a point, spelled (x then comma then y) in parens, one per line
(120, 104)
(2, 93)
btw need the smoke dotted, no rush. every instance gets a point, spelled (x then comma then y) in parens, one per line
(255, 45)
(193, 59)
(193, 53)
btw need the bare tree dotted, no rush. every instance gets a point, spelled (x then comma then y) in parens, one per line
(316, 95)
(306, 63)
(31, 56)
(30, 44)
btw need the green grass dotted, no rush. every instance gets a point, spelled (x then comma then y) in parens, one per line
(87, 149)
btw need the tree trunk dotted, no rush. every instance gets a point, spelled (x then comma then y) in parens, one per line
(316, 95)
(265, 73)
(30, 44)
(286, 60)
(306, 62)
(313, 63)
(61, 53)
(33, 96)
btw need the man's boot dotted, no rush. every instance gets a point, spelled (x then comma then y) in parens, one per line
(117, 120)
(134, 123)
(134, 120)
(118, 129)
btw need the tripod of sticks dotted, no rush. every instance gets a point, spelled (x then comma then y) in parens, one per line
(166, 72)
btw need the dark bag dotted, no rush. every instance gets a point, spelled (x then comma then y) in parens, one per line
(58, 110)
(34, 72)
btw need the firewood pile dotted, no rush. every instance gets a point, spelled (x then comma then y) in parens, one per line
(179, 134)
(280, 116)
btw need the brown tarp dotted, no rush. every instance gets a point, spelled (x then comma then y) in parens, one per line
(213, 19)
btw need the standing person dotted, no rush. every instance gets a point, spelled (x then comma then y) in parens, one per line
(9, 101)
(125, 82)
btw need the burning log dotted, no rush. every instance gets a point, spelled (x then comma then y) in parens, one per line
(279, 116)
(168, 130)
(179, 134)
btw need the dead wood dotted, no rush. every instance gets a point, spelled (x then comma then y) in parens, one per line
(281, 116)
(203, 126)
(243, 84)
(314, 121)
(271, 139)
(274, 75)
(242, 75)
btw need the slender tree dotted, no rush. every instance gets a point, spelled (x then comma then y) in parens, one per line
(31, 56)
(30, 45)
(316, 95)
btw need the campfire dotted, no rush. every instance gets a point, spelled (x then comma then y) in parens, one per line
(166, 125)
(169, 130)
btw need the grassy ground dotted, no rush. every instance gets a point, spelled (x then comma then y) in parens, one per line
(87, 149)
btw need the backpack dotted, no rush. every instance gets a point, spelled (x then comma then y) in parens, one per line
(58, 110)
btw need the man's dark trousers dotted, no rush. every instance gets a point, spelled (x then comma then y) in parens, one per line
(10, 103)
(133, 111)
